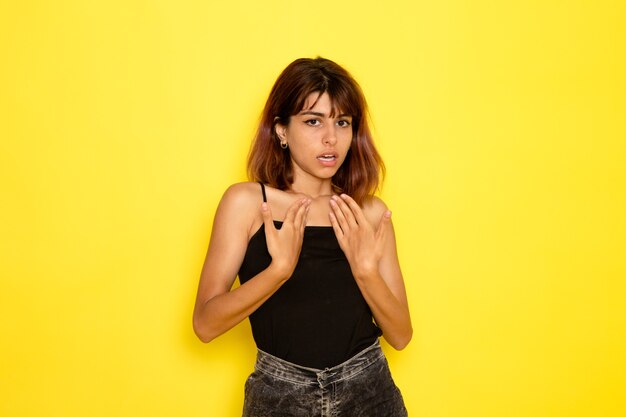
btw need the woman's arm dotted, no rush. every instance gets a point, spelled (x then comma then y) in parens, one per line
(374, 262)
(217, 308)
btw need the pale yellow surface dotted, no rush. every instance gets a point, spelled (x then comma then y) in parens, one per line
(503, 126)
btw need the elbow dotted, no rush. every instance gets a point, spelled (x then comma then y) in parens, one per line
(399, 345)
(401, 342)
(202, 332)
(204, 338)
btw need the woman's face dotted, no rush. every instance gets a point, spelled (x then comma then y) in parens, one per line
(318, 143)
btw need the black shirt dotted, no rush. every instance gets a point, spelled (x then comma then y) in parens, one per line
(318, 318)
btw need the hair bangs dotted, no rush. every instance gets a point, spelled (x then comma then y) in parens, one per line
(344, 100)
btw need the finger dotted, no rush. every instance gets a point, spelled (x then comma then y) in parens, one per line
(383, 225)
(338, 214)
(300, 214)
(345, 211)
(293, 209)
(336, 227)
(268, 220)
(355, 208)
(304, 220)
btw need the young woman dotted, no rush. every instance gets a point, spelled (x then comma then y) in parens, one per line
(315, 254)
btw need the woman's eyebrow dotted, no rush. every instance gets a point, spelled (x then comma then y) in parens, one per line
(319, 114)
(312, 113)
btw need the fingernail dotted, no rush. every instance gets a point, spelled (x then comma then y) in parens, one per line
(388, 214)
(264, 206)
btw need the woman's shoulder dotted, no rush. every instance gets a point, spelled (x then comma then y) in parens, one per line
(240, 205)
(373, 208)
(243, 193)
(242, 197)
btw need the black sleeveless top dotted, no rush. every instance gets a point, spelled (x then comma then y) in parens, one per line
(318, 318)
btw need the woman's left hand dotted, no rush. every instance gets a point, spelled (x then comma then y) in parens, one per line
(362, 245)
(373, 260)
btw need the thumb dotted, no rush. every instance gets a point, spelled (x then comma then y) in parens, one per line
(268, 220)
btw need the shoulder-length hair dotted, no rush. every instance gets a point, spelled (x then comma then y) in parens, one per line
(362, 170)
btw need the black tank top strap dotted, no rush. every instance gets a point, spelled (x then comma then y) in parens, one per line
(263, 191)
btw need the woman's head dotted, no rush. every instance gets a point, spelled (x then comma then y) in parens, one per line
(301, 84)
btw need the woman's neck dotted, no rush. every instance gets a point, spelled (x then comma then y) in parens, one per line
(312, 187)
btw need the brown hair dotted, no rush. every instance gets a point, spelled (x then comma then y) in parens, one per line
(361, 172)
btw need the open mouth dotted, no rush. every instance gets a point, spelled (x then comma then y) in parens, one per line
(327, 157)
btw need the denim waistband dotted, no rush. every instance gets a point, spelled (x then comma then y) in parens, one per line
(287, 371)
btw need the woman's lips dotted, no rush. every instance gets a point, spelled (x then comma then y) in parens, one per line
(328, 159)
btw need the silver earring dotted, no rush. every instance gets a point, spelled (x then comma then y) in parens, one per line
(283, 144)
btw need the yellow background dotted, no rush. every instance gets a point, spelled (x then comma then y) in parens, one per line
(503, 128)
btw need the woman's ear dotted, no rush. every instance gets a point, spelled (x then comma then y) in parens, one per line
(281, 131)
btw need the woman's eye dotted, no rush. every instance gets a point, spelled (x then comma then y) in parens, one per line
(343, 123)
(312, 122)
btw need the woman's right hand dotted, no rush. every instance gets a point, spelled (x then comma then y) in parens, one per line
(284, 244)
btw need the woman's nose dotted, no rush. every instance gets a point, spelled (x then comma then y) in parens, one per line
(330, 137)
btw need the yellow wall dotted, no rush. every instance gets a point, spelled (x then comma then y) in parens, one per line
(503, 128)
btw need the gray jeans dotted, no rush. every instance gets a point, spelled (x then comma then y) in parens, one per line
(360, 387)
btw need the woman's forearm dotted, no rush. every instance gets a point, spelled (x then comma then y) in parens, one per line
(224, 311)
(391, 315)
